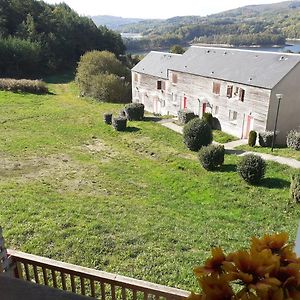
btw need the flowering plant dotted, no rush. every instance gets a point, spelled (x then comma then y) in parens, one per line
(269, 270)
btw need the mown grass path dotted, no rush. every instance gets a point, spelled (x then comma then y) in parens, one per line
(136, 203)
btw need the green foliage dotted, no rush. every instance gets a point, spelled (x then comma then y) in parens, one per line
(102, 76)
(23, 86)
(134, 111)
(19, 57)
(119, 123)
(196, 134)
(265, 138)
(252, 168)
(208, 118)
(107, 117)
(293, 140)
(252, 138)
(185, 116)
(295, 187)
(211, 157)
(57, 33)
(243, 26)
(177, 49)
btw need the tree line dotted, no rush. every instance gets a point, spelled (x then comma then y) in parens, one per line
(38, 38)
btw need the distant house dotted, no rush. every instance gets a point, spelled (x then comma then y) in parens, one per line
(238, 87)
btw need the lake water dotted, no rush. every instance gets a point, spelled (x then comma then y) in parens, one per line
(293, 46)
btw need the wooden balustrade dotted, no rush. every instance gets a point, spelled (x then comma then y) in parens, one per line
(89, 282)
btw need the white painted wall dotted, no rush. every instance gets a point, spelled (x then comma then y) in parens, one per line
(289, 112)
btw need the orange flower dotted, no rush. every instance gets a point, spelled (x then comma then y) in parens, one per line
(273, 242)
(288, 255)
(271, 294)
(216, 287)
(213, 264)
(290, 275)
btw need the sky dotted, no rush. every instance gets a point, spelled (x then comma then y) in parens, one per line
(158, 9)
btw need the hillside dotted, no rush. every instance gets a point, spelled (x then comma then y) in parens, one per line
(113, 22)
(266, 24)
(37, 38)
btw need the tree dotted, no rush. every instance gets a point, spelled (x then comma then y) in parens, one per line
(177, 49)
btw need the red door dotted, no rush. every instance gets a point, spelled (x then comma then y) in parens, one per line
(249, 121)
(203, 108)
(184, 103)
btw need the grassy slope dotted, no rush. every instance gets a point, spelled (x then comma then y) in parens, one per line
(136, 203)
(285, 152)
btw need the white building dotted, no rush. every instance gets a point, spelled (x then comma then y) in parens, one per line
(238, 87)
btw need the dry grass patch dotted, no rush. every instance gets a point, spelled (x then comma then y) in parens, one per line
(23, 86)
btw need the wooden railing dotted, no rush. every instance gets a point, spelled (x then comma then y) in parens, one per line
(85, 281)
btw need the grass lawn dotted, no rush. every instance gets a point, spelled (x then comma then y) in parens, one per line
(285, 152)
(223, 137)
(136, 203)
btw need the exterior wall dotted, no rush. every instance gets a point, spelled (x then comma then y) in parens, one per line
(251, 113)
(198, 92)
(289, 111)
(144, 90)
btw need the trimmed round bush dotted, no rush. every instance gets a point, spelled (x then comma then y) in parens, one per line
(134, 111)
(208, 117)
(107, 117)
(293, 140)
(196, 134)
(185, 116)
(252, 138)
(252, 168)
(295, 187)
(119, 124)
(265, 138)
(211, 157)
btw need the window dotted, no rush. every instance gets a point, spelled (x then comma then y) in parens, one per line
(232, 116)
(161, 85)
(236, 91)
(216, 88)
(229, 91)
(158, 86)
(135, 77)
(174, 78)
(242, 95)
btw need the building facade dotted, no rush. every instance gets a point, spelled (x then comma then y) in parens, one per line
(238, 87)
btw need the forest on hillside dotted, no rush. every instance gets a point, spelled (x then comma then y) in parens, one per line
(38, 38)
(268, 24)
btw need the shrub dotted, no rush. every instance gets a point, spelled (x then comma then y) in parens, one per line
(23, 86)
(134, 111)
(119, 124)
(211, 157)
(208, 118)
(295, 187)
(252, 138)
(102, 76)
(197, 133)
(252, 168)
(185, 116)
(293, 140)
(265, 138)
(107, 118)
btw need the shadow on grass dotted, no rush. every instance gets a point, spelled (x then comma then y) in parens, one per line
(61, 78)
(132, 129)
(152, 119)
(227, 168)
(274, 183)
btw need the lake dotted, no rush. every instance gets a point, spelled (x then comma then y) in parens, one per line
(293, 46)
